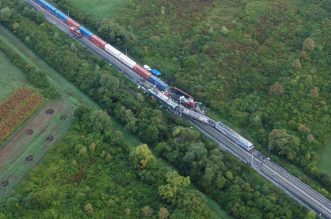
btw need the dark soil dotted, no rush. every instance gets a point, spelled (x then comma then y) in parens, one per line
(5, 183)
(29, 158)
(29, 132)
(50, 111)
(50, 138)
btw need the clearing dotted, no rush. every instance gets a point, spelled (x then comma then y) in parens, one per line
(100, 8)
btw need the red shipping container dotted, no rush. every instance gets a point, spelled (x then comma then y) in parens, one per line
(98, 41)
(72, 23)
(141, 71)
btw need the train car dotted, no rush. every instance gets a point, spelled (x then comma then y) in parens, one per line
(98, 41)
(182, 97)
(40, 2)
(161, 85)
(63, 17)
(127, 61)
(72, 23)
(142, 72)
(85, 32)
(50, 8)
(112, 51)
(193, 115)
(166, 100)
(234, 136)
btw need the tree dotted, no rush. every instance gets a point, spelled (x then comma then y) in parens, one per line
(174, 183)
(142, 157)
(314, 92)
(303, 128)
(163, 213)
(100, 121)
(276, 89)
(297, 64)
(311, 215)
(309, 44)
(284, 143)
(147, 211)
(5, 13)
(88, 208)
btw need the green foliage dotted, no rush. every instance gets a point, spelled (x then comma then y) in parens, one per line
(33, 75)
(284, 143)
(142, 157)
(77, 180)
(232, 184)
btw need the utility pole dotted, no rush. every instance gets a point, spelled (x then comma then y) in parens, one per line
(68, 12)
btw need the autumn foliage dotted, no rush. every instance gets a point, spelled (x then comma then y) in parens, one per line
(17, 108)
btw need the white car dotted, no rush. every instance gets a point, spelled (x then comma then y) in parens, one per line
(147, 68)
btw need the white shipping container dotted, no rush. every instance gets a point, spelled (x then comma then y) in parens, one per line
(112, 50)
(126, 60)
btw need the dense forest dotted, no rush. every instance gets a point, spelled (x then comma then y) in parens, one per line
(262, 66)
(80, 178)
(233, 185)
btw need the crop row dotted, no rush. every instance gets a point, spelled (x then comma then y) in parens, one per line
(20, 109)
(14, 100)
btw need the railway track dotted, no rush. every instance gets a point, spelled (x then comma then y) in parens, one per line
(270, 170)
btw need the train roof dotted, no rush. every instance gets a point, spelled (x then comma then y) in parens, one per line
(235, 134)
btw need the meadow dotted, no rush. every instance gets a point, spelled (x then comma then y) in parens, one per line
(100, 8)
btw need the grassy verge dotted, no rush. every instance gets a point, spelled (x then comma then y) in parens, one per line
(11, 77)
(325, 162)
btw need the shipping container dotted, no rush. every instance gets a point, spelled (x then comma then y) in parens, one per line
(85, 32)
(127, 61)
(156, 72)
(142, 72)
(61, 16)
(98, 41)
(50, 8)
(112, 51)
(161, 85)
(41, 2)
(72, 23)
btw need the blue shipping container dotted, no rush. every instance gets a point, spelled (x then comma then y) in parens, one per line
(156, 72)
(61, 16)
(41, 2)
(86, 32)
(50, 7)
(158, 83)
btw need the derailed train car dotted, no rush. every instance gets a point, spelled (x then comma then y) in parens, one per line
(164, 92)
(81, 31)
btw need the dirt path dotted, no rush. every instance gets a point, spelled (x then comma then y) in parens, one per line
(21, 153)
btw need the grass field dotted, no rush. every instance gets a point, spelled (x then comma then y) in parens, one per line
(23, 151)
(10, 77)
(325, 161)
(99, 8)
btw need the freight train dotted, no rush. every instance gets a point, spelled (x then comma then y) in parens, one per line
(172, 97)
(79, 31)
